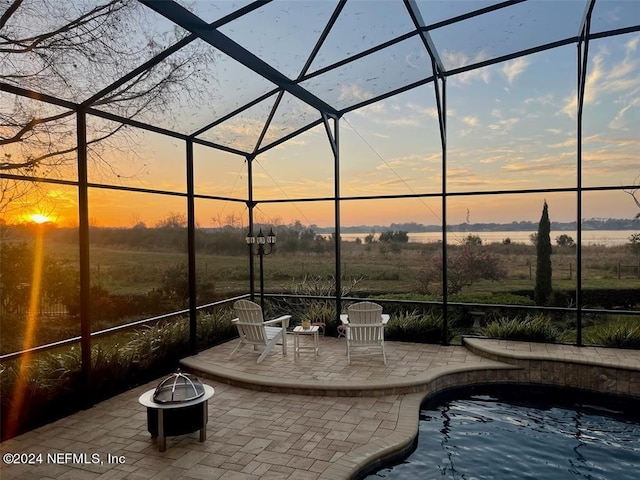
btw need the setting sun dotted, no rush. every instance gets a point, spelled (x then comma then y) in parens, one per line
(39, 218)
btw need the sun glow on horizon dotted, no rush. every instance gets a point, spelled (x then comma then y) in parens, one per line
(40, 218)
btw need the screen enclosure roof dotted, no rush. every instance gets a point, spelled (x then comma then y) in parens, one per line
(266, 71)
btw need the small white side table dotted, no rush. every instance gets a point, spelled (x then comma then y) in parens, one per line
(296, 340)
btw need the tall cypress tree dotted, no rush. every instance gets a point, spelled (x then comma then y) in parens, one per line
(542, 291)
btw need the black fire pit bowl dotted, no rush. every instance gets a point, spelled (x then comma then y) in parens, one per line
(176, 421)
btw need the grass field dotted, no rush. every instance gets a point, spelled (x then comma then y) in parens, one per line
(376, 267)
(136, 283)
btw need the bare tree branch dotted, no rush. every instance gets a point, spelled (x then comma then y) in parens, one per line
(73, 50)
(39, 41)
(30, 125)
(634, 192)
(10, 11)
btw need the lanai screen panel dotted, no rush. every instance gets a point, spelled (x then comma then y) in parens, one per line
(361, 27)
(392, 147)
(611, 133)
(126, 209)
(376, 74)
(242, 130)
(41, 141)
(134, 158)
(291, 115)
(612, 15)
(302, 168)
(218, 173)
(21, 247)
(507, 30)
(214, 11)
(282, 34)
(208, 86)
(437, 11)
(510, 127)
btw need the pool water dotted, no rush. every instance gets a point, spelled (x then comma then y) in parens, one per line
(492, 437)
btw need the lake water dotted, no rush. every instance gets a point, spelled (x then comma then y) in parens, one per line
(589, 237)
(488, 437)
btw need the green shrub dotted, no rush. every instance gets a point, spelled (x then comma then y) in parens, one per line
(621, 333)
(305, 309)
(418, 297)
(498, 298)
(533, 328)
(415, 327)
(321, 311)
(626, 298)
(402, 309)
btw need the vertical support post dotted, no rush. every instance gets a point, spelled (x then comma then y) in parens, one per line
(191, 250)
(250, 206)
(445, 294)
(579, 203)
(583, 57)
(334, 141)
(441, 104)
(438, 76)
(85, 271)
(338, 246)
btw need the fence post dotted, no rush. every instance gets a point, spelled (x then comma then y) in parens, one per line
(619, 271)
(570, 271)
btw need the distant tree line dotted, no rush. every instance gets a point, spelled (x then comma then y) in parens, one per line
(413, 227)
(170, 233)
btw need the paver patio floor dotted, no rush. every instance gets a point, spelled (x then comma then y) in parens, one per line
(317, 433)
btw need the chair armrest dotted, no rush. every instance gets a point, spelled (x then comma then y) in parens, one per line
(344, 318)
(283, 319)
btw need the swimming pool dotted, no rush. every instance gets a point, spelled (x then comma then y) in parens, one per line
(501, 436)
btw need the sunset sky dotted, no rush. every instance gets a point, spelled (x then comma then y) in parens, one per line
(510, 126)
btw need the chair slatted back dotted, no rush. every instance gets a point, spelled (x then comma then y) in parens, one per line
(250, 321)
(248, 312)
(365, 323)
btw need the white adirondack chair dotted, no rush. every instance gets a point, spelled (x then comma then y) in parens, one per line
(365, 330)
(253, 330)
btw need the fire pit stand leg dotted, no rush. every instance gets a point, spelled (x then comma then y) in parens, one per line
(162, 440)
(205, 415)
